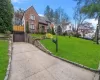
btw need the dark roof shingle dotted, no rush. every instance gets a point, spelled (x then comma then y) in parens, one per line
(43, 20)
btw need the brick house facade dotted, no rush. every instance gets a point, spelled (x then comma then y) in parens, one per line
(35, 22)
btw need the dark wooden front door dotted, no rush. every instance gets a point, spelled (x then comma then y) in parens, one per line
(18, 37)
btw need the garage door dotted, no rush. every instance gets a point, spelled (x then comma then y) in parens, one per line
(18, 37)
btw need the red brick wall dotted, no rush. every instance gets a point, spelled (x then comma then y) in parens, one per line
(27, 14)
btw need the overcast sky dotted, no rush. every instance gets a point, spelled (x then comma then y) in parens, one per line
(40, 5)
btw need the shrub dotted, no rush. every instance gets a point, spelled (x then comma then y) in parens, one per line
(65, 33)
(48, 35)
(7, 33)
(75, 34)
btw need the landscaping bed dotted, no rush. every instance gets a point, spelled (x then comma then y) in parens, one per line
(78, 50)
(3, 58)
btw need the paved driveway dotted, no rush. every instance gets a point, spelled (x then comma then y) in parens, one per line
(29, 63)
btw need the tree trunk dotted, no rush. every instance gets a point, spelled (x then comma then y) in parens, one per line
(97, 31)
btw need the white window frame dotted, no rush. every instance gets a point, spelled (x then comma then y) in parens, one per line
(32, 17)
(32, 26)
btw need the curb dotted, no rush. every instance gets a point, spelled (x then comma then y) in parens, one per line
(10, 59)
(74, 63)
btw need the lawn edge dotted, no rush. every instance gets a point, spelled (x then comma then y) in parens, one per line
(10, 48)
(44, 49)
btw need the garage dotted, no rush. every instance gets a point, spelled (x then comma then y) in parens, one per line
(18, 34)
(18, 37)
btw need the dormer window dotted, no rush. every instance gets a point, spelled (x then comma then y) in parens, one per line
(32, 17)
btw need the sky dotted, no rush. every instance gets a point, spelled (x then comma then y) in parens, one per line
(40, 5)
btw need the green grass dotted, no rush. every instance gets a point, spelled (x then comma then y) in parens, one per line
(3, 58)
(74, 49)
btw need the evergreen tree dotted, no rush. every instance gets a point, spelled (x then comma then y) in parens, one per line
(47, 12)
(27, 27)
(53, 31)
(49, 30)
(6, 15)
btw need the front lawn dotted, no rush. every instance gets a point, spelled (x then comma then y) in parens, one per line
(78, 50)
(3, 58)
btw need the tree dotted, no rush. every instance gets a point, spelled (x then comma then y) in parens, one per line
(6, 15)
(91, 8)
(59, 30)
(20, 10)
(78, 16)
(51, 15)
(53, 31)
(48, 13)
(60, 15)
(27, 27)
(49, 30)
(56, 16)
(86, 26)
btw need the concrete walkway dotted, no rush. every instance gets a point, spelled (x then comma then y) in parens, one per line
(29, 63)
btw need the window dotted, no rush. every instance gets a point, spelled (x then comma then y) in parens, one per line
(32, 17)
(31, 26)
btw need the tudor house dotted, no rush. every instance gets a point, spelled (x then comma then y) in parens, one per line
(36, 23)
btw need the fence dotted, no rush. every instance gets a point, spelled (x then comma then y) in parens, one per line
(4, 37)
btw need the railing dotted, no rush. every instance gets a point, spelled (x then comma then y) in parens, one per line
(18, 28)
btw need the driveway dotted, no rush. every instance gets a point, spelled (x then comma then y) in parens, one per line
(30, 63)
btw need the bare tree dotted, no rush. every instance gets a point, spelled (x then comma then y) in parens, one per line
(91, 8)
(78, 16)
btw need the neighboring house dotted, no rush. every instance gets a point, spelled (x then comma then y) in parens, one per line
(90, 35)
(36, 23)
(86, 28)
(66, 27)
(17, 20)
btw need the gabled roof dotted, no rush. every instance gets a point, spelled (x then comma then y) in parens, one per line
(28, 9)
(31, 7)
(43, 20)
